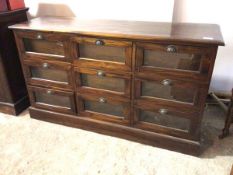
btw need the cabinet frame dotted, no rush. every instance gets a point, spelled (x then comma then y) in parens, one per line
(47, 36)
(82, 89)
(191, 133)
(66, 67)
(69, 94)
(111, 99)
(101, 64)
(197, 99)
(201, 75)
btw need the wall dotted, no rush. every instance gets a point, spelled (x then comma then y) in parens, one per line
(219, 12)
(146, 10)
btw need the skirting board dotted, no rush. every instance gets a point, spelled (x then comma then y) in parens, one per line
(15, 108)
(129, 133)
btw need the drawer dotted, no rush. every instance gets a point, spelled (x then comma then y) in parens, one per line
(170, 90)
(104, 107)
(47, 73)
(88, 80)
(44, 45)
(182, 61)
(161, 119)
(103, 53)
(54, 100)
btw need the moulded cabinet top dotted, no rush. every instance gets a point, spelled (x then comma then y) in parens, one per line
(138, 30)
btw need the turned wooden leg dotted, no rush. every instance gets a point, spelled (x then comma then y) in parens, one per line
(226, 129)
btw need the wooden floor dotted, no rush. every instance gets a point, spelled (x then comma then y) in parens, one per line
(29, 146)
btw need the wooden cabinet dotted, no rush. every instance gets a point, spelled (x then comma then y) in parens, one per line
(127, 79)
(44, 45)
(47, 73)
(167, 88)
(103, 53)
(104, 107)
(55, 100)
(89, 80)
(13, 92)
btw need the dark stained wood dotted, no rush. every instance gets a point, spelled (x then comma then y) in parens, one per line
(51, 99)
(177, 92)
(104, 107)
(48, 73)
(13, 93)
(150, 31)
(137, 135)
(229, 118)
(109, 55)
(44, 45)
(142, 81)
(185, 61)
(89, 80)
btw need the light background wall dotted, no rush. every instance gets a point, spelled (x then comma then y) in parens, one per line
(145, 10)
(197, 11)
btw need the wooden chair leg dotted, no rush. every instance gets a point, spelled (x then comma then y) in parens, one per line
(229, 120)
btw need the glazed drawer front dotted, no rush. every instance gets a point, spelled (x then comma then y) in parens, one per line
(50, 99)
(44, 45)
(102, 107)
(47, 73)
(99, 80)
(169, 89)
(103, 53)
(183, 60)
(163, 119)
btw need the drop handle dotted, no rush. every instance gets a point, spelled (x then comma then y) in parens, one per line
(99, 43)
(102, 100)
(166, 82)
(45, 65)
(39, 36)
(171, 48)
(163, 111)
(100, 73)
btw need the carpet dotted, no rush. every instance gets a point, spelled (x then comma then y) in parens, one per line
(33, 147)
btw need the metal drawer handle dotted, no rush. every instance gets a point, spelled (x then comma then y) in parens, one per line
(171, 48)
(102, 100)
(39, 36)
(166, 82)
(100, 73)
(49, 92)
(60, 44)
(99, 43)
(45, 65)
(163, 111)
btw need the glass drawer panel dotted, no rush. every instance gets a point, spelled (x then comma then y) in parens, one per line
(170, 92)
(52, 99)
(182, 61)
(105, 53)
(43, 46)
(104, 108)
(108, 83)
(164, 120)
(49, 74)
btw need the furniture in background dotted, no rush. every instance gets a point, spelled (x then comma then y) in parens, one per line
(6, 5)
(228, 109)
(15, 4)
(3, 6)
(13, 92)
(143, 81)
